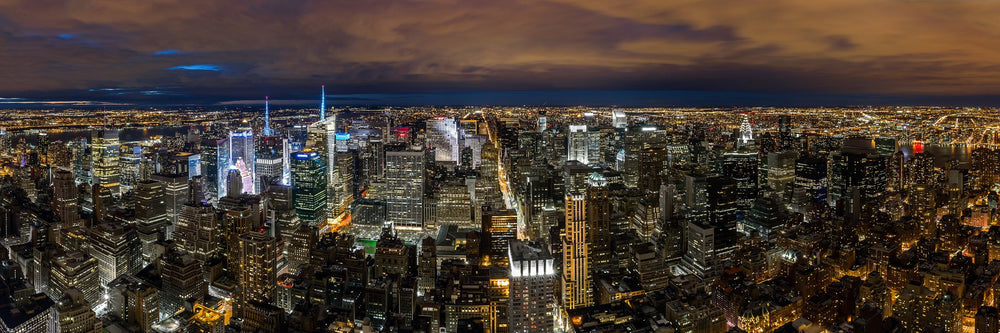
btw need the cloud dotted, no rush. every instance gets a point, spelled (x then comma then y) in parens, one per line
(199, 67)
(236, 50)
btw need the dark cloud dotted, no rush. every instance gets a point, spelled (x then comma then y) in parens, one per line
(235, 50)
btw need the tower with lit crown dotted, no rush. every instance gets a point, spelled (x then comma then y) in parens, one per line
(746, 133)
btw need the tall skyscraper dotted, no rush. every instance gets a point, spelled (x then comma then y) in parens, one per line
(532, 287)
(309, 186)
(488, 184)
(270, 163)
(176, 192)
(64, 199)
(150, 215)
(637, 140)
(743, 167)
(578, 144)
(785, 132)
(237, 221)
(258, 260)
(811, 183)
(427, 266)
(215, 166)
(343, 187)
(197, 231)
(404, 173)
(598, 216)
(619, 119)
(117, 249)
(711, 231)
(104, 148)
(577, 280)
(499, 226)
(442, 135)
(243, 157)
(75, 270)
(746, 133)
(183, 279)
(322, 139)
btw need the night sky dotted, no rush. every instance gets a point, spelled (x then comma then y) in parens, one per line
(596, 52)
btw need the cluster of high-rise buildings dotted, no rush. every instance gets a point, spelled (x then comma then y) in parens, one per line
(505, 220)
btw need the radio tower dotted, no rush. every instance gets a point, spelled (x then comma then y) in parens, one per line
(267, 117)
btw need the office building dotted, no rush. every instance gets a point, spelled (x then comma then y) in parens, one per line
(117, 249)
(532, 287)
(404, 174)
(309, 187)
(577, 279)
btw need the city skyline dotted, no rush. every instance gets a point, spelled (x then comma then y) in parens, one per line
(480, 166)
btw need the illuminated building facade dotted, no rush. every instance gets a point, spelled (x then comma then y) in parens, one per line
(442, 135)
(532, 287)
(117, 249)
(404, 173)
(215, 164)
(105, 154)
(258, 259)
(75, 270)
(243, 156)
(197, 231)
(309, 187)
(577, 280)
(75, 315)
(151, 215)
(182, 279)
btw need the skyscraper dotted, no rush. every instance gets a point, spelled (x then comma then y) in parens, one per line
(578, 144)
(104, 148)
(215, 166)
(151, 215)
(442, 135)
(598, 216)
(404, 173)
(270, 162)
(743, 167)
(243, 157)
(258, 259)
(532, 286)
(117, 249)
(183, 278)
(197, 231)
(711, 231)
(176, 192)
(309, 186)
(638, 139)
(75, 270)
(499, 226)
(64, 199)
(577, 281)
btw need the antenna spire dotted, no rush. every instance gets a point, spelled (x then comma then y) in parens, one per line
(322, 103)
(267, 116)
